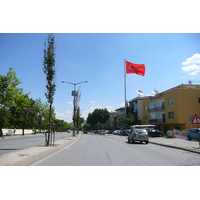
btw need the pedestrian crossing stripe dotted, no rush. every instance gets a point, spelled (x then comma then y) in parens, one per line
(196, 119)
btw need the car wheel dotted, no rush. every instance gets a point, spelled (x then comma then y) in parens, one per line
(147, 142)
(133, 141)
(128, 139)
(189, 138)
(140, 142)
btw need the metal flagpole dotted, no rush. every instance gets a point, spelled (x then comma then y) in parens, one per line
(125, 84)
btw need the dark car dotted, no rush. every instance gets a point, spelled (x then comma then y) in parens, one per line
(154, 132)
(85, 132)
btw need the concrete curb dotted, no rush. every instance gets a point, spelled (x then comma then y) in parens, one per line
(31, 155)
(176, 147)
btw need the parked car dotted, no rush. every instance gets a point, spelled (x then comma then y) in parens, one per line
(154, 132)
(85, 132)
(110, 132)
(140, 135)
(193, 133)
(116, 132)
(102, 132)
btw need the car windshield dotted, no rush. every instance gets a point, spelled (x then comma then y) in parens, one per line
(140, 131)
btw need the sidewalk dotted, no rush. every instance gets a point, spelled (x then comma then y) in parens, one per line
(192, 146)
(30, 155)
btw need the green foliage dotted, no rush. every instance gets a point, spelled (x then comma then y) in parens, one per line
(11, 97)
(61, 125)
(129, 121)
(8, 89)
(97, 117)
(49, 68)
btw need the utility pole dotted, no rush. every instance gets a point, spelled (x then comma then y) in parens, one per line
(75, 94)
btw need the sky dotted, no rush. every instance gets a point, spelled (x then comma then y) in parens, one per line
(170, 59)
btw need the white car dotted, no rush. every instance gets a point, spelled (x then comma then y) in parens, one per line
(138, 135)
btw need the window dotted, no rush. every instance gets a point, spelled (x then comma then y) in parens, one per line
(171, 114)
(170, 101)
(199, 100)
(145, 107)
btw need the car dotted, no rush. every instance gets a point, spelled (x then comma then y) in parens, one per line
(154, 132)
(193, 133)
(140, 135)
(85, 132)
(116, 132)
(102, 132)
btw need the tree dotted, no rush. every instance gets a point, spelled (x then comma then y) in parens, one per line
(49, 70)
(19, 110)
(9, 95)
(131, 120)
(97, 117)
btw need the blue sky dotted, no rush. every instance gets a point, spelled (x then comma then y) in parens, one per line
(170, 60)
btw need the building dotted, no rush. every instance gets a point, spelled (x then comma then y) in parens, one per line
(111, 123)
(120, 116)
(173, 108)
(135, 106)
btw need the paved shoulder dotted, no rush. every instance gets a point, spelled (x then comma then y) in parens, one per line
(30, 155)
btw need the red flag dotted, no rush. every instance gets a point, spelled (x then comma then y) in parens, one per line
(132, 68)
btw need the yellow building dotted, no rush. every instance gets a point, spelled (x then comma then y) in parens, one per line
(173, 108)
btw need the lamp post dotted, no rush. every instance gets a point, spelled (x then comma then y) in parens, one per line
(75, 94)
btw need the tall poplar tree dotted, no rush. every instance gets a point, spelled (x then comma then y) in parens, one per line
(49, 70)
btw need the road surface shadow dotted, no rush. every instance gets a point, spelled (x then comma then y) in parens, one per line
(9, 149)
(143, 143)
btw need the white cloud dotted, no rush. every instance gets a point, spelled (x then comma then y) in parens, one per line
(91, 109)
(60, 114)
(93, 102)
(195, 72)
(68, 112)
(192, 60)
(192, 68)
(71, 103)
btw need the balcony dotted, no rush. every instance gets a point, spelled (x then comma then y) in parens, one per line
(156, 120)
(157, 108)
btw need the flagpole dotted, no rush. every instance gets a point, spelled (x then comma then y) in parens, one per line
(125, 84)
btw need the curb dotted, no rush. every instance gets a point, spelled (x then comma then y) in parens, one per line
(175, 147)
(28, 156)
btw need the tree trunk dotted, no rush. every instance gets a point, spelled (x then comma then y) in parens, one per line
(1, 132)
(49, 125)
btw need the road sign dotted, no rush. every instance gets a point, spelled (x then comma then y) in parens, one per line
(196, 119)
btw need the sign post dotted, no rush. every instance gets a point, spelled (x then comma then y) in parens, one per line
(196, 120)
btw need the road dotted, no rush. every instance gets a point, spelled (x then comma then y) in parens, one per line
(110, 150)
(12, 143)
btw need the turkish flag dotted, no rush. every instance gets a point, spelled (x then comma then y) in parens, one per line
(132, 68)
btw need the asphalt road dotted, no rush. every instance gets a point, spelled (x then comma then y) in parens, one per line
(12, 143)
(110, 150)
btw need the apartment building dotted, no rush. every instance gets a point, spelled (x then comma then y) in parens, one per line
(173, 108)
(135, 106)
(111, 123)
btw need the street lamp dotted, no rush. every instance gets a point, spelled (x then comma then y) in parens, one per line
(75, 94)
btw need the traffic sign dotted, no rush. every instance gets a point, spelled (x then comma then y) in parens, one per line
(196, 119)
